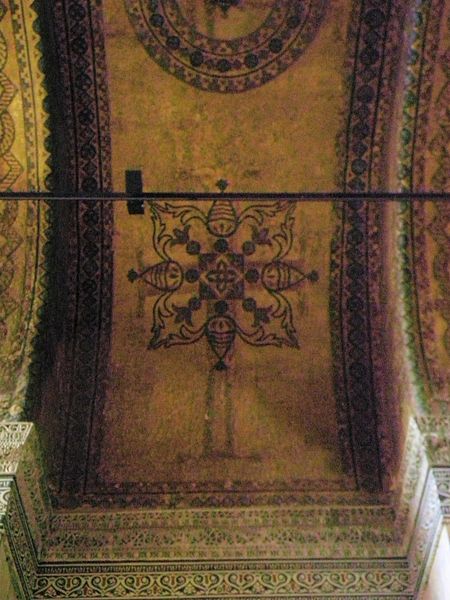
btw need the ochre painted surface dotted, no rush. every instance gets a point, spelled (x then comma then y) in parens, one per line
(279, 137)
(236, 23)
(270, 417)
(22, 167)
(436, 159)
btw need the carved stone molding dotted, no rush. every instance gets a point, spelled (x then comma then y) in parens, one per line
(436, 434)
(227, 581)
(442, 476)
(349, 550)
(12, 439)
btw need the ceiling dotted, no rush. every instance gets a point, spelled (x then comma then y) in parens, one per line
(273, 136)
(297, 304)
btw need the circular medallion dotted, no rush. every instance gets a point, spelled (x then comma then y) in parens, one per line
(226, 45)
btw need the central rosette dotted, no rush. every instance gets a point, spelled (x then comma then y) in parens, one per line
(226, 46)
(221, 276)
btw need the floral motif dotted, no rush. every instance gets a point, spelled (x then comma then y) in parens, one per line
(236, 280)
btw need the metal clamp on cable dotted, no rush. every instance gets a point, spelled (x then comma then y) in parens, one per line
(133, 187)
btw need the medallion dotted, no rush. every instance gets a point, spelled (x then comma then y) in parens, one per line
(226, 45)
(222, 273)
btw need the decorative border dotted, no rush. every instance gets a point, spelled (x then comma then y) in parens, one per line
(37, 231)
(440, 143)
(78, 27)
(27, 38)
(415, 276)
(12, 438)
(439, 147)
(225, 66)
(438, 228)
(336, 526)
(421, 63)
(356, 263)
(301, 533)
(8, 218)
(8, 92)
(86, 243)
(269, 580)
(20, 542)
(45, 572)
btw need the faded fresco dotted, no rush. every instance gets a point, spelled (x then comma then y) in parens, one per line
(232, 388)
(273, 133)
(219, 389)
(23, 167)
(210, 348)
(226, 306)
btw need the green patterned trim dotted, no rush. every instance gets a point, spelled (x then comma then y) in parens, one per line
(419, 70)
(45, 572)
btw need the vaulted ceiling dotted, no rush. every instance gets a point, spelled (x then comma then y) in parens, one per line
(329, 320)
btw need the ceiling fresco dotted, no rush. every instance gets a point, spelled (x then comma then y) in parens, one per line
(274, 368)
(24, 165)
(279, 136)
(231, 339)
(118, 309)
(345, 446)
(234, 376)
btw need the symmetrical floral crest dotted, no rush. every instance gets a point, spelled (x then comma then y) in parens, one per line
(224, 273)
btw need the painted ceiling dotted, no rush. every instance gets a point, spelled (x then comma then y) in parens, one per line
(274, 129)
(209, 353)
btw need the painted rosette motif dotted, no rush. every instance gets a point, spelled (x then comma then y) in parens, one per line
(222, 274)
(229, 46)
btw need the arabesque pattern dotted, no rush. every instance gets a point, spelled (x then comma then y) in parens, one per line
(233, 290)
(24, 227)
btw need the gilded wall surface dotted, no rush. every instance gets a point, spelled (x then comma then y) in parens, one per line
(23, 167)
